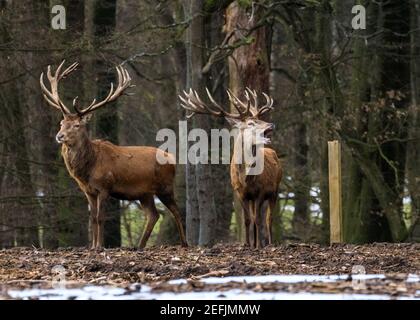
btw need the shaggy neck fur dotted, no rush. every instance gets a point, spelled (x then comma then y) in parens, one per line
(238, 158)
(80, 158)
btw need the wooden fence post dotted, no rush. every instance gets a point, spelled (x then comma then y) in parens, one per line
(334, 179)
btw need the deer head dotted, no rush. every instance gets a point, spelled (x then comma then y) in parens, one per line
(249, 113)
(73, 125)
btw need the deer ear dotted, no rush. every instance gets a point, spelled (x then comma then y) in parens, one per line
(86, 118)
(233, 122)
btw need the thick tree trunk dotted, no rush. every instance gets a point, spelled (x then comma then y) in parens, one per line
(208, 201)
(72, 215)
(195, 59)
(413, 144)
(107, 121)
(217, 80)
(249, 65)
(300, 222)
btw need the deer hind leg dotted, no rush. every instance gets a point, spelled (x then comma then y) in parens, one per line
(269, 218)
(169, 201)
(253, 224)
(247, 222)
(259, 235)
(152, 216)
(263, 230)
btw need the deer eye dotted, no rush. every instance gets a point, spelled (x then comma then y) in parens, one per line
(251, 123)
(77, 125)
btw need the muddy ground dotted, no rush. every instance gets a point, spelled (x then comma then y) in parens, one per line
(28, 267)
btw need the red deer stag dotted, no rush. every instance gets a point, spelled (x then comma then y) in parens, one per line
(256, 193)
(103, 169)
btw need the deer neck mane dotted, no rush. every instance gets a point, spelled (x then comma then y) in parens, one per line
(80, 158)
(239, 160)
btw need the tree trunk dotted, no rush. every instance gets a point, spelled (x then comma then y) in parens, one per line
(107, 120)
(413, 144)
(249, 65)
(194, 54)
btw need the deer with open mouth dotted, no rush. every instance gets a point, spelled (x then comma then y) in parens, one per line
(257, 193)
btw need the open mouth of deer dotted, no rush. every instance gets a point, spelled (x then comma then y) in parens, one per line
(268, 134)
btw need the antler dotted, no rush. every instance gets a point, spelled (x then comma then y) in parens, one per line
(53, 99)
(192, 102)
(51, 96)
(124, 82)
(251, 107)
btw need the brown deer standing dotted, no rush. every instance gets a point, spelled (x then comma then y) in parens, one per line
(103, 169)
(256, 193)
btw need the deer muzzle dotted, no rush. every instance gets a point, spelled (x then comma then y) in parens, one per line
(59, 138)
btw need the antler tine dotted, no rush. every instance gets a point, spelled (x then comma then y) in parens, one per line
(76, 105)
(186, 102)
(51, 96)
(251, 109)
(46, 93)
(239, 115)
(239, 104)
(268, 106)
(221, 111)
(253, 94)
(69, 70)
(57, 72)
(236, 105)
(191, 101)
(196, 99)
(251, 106)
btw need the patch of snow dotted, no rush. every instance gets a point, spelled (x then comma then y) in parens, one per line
(413, 278)
(107, 293)
(285, 278)
(112, 293)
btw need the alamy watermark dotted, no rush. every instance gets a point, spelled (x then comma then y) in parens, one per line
(58, 277)
(196, 147)
(58, 21)
(358, 276)
(359, 20)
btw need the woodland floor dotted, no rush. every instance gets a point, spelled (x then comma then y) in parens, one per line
(28, 267)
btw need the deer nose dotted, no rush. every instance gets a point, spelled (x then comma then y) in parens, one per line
(59, 137)
(273, 126)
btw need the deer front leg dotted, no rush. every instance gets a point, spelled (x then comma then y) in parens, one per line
(93, 219)
(100, 220)
(246, 216)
